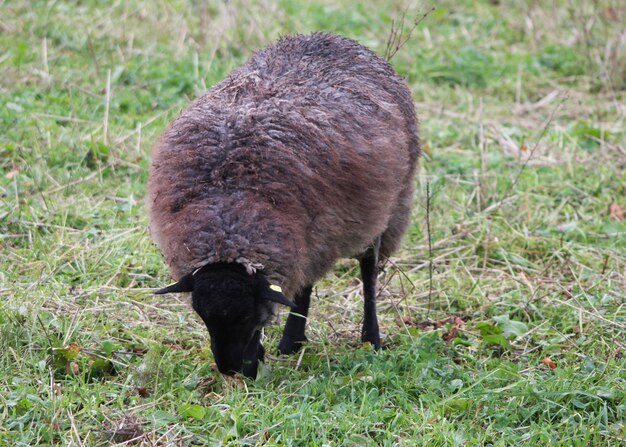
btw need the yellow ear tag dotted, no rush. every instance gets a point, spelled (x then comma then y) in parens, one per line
(276, 288)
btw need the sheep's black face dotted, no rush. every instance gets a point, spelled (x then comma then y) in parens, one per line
(234, 306)
(225, 301)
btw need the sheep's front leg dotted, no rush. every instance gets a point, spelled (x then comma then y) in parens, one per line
(369, 274)
(293, 335)
(251, 356)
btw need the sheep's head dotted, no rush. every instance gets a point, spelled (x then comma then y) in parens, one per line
(234, 306)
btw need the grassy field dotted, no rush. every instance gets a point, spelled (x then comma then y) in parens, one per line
(519, 337)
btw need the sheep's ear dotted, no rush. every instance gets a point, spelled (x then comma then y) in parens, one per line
(277, 297)
(185, 284)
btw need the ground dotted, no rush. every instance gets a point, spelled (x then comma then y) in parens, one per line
(509, 330)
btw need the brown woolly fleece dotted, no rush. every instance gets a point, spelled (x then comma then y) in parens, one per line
(302, 156)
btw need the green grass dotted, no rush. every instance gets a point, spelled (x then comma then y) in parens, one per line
(522, 111)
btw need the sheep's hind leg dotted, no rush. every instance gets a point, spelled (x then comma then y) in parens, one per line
(369, 274)
(293, 335)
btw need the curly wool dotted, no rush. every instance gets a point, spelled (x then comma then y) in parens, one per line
(302, 156)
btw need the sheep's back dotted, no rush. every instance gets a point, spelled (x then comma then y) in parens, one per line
(308, 146)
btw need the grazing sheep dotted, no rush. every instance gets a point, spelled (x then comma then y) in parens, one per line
(304, 155)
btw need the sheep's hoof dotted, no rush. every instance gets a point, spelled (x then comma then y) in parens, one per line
(288, 346)
(374, 340)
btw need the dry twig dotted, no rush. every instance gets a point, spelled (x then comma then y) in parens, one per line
(398, 36)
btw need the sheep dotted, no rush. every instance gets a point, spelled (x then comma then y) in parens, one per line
(304, 155)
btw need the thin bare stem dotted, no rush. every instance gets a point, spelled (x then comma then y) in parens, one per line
(398, 36)
(430, 250)
(532, 151)
(107, 102)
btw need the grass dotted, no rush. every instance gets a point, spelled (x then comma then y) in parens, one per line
(521, 341)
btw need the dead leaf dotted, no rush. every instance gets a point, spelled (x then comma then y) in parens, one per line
(452, 334)
(454, 320)
(126, 429)
(616, 212)
(424, 324)
(142, 391)
(427, 149)
(611, 14)
(457, 324)
(566, 293)
(73, 348)
(139, 350)
(73, 368)
(207, 382)
(9, 175)
(549, 363)
(235, 382)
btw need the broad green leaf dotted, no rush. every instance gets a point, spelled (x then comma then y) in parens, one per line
(192, 410)
(496, 340)
(108, 347)
(511, 328)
